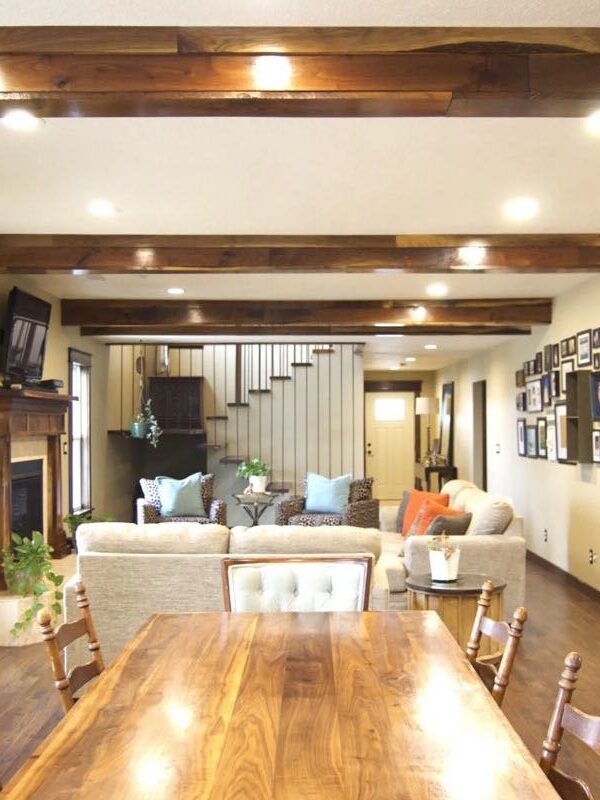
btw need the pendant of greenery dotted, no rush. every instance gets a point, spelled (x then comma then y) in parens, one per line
(28, 572)
(146, 417)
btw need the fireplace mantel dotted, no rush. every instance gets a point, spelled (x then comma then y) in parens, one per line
(27, 414)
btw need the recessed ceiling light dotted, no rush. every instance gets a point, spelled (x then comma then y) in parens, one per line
(471, 256)
(18, 119)
(271, 72)
(175, 290)
(592, 123)
(419, 314)
(437, 290)
(410, 359)
(431, 347)
(102, 208)
(521, 209)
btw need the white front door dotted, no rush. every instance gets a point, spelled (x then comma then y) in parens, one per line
(390, 442)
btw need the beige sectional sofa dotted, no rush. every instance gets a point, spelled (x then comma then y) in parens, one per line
(132, 571)
(493, 545)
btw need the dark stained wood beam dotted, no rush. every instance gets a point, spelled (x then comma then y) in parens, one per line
(316, 317)
(332, 71)
(324, 330)
(46, 254)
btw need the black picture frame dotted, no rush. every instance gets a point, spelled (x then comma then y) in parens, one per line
(521, 426)
(538, 363)
(555, 356)
(534, 396)
(595, 389)
(520, 378)
(546, 390)
(566, 366)
(560, 414)
(596, 446)
(596, 363)
(555, 383)
(572, 341)
(564, 348)
(521, 401)
(596, 338)
(584, 348)
(532, 441)
(547, 357)
(542, 432)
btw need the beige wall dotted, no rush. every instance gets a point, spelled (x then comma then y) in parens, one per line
(562, 499)
(111, 481)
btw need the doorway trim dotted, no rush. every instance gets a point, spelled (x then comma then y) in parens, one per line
(396, 386)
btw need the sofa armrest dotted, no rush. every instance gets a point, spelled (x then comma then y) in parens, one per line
(362, 514)
(288, 508)
(498, 556)
(217, 511)
(380, 589)
(146, 513)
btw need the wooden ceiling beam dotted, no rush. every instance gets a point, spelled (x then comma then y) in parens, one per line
(376, 316)
(322, 330)
(27, 254)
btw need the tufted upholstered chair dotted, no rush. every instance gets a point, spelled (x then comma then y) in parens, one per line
(148, 506)
(361, 512)
(300, 583)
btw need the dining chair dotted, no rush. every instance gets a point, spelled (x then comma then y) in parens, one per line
(566, 717)
(57, 640)
(297, 583)
(495, 670)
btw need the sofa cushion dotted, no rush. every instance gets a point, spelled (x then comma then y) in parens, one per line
(164, 537)
(456, 524)
(491, 515)
(454, 488)
(301, 539)
(415, 504)
(402, 511)
(180, 498)
(430, 511)
(395, 570)
(326, 496)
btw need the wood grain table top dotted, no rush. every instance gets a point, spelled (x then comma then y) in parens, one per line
(253, 706)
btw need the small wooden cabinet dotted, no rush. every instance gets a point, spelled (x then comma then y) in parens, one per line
(177, 403)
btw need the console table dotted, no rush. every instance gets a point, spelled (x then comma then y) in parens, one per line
(444, 472)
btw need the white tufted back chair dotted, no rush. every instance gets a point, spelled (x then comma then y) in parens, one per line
(301, 583)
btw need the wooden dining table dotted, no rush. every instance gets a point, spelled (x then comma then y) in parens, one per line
(380, 706)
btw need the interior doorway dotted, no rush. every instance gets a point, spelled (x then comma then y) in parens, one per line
(390, 442)
(480, 434)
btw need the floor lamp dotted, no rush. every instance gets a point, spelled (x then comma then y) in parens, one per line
(427, 406)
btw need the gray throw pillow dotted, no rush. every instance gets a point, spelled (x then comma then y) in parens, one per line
(402, 511)
(452, 525)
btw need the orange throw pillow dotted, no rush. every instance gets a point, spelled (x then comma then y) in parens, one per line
(417, 499)
(429, 511)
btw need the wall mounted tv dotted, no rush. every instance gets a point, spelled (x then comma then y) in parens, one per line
(24, 341)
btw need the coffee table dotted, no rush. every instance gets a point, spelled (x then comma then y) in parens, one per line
(255, 505)
(456, 604)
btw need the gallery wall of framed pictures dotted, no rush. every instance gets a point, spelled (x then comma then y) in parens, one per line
(541, 395)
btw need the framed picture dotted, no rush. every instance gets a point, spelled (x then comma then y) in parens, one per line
(538, 363)
(547, 358)
(596, 446)
(596, 338)
(572, 341)
(551, 438)
(532, 367)
(564, 348)
(521, 424)
(555, 383)
(532, 441)
(546, 392)
(534, 395)
(560, 412)
(555, 356)
(584, 348)
(521, 401)
(542, 437)
(526, 368)
(595, 383)
(520, 377)
(597, 361)
(565, 367)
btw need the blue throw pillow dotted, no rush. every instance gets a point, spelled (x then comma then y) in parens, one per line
(325, 496)
(180, 498)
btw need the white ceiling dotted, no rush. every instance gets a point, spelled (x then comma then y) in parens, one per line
(306, 12)
(311, 176)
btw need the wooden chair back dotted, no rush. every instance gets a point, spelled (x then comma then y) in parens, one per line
(57, 640)
(566, 717)
(495, 670)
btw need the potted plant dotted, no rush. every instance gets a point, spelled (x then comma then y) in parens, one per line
(145, 425)
(28, 573)
(444, 557)
(257, 472)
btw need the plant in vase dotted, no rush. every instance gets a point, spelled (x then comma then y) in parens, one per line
(73, 521)
(28, 573)
(444, 557)
(257, 473)
(145, 425)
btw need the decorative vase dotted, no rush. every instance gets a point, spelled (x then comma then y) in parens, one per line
(258, 484)
(22, 582)
(444, 568)
(138, 430)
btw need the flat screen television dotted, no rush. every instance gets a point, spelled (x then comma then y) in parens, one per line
(24, 341)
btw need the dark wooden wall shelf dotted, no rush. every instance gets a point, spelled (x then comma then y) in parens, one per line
(579, 417)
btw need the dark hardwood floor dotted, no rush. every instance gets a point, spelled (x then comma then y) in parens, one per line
(561, 618)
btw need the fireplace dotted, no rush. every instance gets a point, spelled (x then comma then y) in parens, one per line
(27, 494)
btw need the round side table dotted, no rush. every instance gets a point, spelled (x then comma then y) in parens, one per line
(456, 604)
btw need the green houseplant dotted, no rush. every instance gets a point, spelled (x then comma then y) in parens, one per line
(145, 425)
(257, 472)
(28, 572)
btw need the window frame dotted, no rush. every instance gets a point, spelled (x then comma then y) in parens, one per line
(84, 361)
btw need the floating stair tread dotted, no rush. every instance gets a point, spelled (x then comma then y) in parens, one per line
(259, 391)
(217, 417)
(281, 377)
(232, 460)
(238, 405)
(279, 488)
(323, 352)
(301, 364)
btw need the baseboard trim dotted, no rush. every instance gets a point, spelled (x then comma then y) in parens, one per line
(564, 576)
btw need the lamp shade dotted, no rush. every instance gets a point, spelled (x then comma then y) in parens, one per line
(426, 405)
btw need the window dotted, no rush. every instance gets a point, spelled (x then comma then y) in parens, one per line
(390, 409)
(80, 462)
